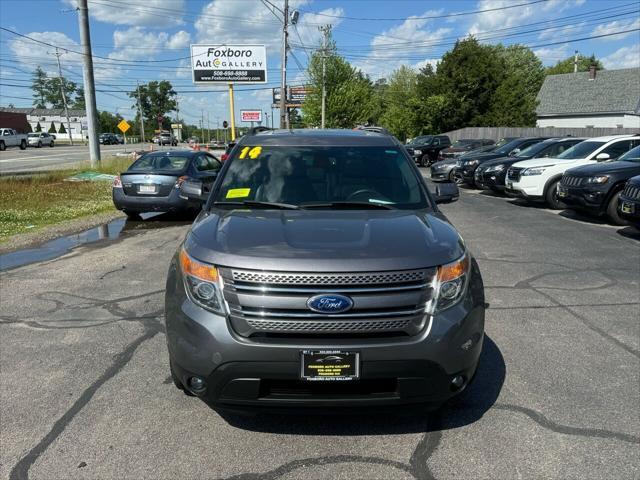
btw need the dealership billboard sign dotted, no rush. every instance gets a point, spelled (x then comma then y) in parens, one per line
(213, 63)
(295, 96)
(251, 116)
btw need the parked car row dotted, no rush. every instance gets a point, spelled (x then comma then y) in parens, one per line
(587, 175)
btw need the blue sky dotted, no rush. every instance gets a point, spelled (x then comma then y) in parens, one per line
(143, 40)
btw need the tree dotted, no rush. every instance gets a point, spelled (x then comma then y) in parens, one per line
(400, 102)
(52, 128)
(53, 93)
(38, 127)
(62, 129)
(108, 121)
(156, 100)
(514, 100)
(566, 65)
(349, 93)
(39, 87)
(79, 101)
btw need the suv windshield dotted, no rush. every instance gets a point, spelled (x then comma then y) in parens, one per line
(463, 142)
(632, 155)
(581, 150)
(507, 147)
(307, 175)
(532, 150)
(420, 140)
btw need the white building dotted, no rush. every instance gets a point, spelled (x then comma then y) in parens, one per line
(47, 116)
(600, 99)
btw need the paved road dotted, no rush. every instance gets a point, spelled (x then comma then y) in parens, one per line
(14, 160)
(85, 390)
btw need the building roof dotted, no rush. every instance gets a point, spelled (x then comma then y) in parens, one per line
(43, 112)
(612, 91)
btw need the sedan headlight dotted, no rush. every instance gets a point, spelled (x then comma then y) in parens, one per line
(417, 152)
(470, 163)
(202, 283)
(535, 170)
(598, 180)
(449, 284)
(495, 168)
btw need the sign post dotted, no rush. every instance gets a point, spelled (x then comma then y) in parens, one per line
(230, 64)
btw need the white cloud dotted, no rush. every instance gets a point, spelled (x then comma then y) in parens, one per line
(617, 26)
(625, 57)
(400, 45)
(561, 33)
(135, 43)
(179, 40)
(149, 13)
(551, 56)
(30, 53)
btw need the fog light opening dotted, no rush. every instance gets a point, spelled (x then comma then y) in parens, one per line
(457, 382)
(197, 385)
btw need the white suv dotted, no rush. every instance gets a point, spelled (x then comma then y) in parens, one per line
(537, 179)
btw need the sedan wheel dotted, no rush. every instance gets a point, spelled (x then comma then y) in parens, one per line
(51, 144)
(39, 144)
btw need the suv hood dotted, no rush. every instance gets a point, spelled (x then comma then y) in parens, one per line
(607, 167)
(539, 162)
(324, 240)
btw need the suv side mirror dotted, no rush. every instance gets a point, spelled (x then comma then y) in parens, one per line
(603, 156)
(513, 152)
(446, 192)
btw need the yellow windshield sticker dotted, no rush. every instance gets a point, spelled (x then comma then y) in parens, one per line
(238, 193)
(252, 152)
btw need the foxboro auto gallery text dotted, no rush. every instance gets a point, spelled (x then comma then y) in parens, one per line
(228, 53)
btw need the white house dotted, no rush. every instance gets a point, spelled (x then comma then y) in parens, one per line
(47, 116)
(603, 98)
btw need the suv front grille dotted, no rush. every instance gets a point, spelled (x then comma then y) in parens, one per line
(570, 181)
(276, 302)
(631, 191)
(514, 173)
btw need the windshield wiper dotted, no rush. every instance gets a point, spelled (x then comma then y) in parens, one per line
(257, 204)
(347, 204)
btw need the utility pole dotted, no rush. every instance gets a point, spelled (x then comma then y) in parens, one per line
(575, 62)
(208, 129)
(64, 95)
(202, 125)
(326, 30)
(89, 84)
(140, 111)
(284, 118)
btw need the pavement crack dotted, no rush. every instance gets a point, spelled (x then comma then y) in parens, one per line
(21, 469)
(418, 462)
(319, 461)
(112, 271)
(544, 422)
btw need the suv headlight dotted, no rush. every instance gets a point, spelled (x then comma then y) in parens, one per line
(449, 284)
(535, 170)
(417, 152)
(202, 283)
(470, 163)
(495, 168)
(599, 180)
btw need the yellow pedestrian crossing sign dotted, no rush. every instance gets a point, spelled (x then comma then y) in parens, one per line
(124, 126)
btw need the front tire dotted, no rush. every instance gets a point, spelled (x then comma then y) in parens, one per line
(551, 197)
(51, 144)
(612, 211)
(23, 145)
(3, 147)
(39, 144)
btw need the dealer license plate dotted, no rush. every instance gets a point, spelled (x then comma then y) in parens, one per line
(147, 189)
(627, 207)
(329, 365)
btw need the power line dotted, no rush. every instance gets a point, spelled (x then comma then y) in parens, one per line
(431, 17)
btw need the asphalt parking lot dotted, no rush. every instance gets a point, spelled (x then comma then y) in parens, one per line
(86, 393)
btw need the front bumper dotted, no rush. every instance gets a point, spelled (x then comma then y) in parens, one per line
(141, 204)
(490, 180)
(264, 372)
(467, 174)
(527, 187)
(441, 174)
(629, 209)
(583, 198)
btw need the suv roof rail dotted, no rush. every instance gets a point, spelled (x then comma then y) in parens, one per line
(258, 129)
(373, 128)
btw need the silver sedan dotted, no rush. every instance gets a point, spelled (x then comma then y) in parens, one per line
(39, 139)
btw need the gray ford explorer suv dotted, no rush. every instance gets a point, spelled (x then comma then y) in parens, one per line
(320, 273)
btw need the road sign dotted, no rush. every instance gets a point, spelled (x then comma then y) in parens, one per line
(251, 115)
(229, 63)
(124, 126)
(225, 124)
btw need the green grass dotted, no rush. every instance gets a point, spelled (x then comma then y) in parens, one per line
(29, 203)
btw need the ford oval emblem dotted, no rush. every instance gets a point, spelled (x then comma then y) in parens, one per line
(330, 303)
